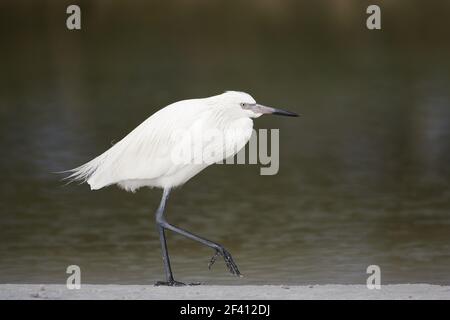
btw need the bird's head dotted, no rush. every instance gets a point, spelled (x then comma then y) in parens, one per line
(251, 108)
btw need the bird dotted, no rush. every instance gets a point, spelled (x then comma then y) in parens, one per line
(158, 154)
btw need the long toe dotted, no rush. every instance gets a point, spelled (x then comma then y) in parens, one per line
(231, 265)
(171, 283)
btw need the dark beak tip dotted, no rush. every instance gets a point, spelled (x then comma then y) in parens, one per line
(286, 113)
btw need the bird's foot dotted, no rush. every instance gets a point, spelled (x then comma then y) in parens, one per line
(170, 283)
(195, 284)
(228, 261)
(174, 283)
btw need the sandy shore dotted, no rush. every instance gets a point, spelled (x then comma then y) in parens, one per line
(399, 291)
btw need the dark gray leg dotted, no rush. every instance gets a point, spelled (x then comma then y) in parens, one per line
(162, 238)
(163, 224)
(217, 247)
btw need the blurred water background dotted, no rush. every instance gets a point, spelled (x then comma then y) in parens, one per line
(364, 173)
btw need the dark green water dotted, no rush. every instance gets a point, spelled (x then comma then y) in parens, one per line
(364, 174)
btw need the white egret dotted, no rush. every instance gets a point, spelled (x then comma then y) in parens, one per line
(147, 156)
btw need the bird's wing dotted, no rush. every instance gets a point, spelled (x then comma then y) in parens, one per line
(151, 150)
(144, 153)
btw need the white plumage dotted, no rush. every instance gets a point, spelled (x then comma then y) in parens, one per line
(145, 157)
(172, 146)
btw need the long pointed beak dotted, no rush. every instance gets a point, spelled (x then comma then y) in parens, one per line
(270, 110)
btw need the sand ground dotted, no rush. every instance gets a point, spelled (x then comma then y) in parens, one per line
(92, 291)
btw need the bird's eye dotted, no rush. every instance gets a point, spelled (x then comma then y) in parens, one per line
(242, 104)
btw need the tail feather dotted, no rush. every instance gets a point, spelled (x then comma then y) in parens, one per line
(84, 172)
